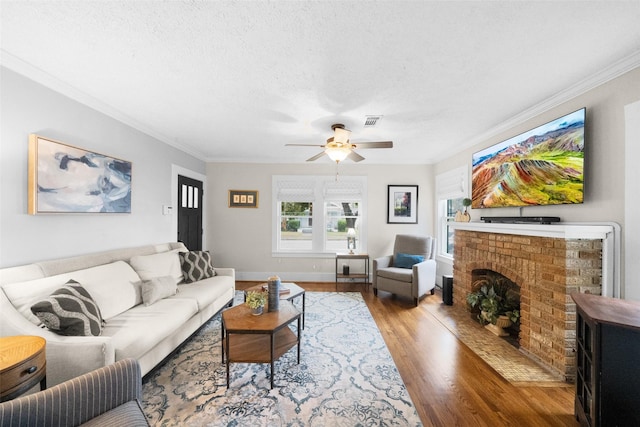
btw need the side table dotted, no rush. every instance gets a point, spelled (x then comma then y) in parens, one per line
(360, 276)
(23, 364)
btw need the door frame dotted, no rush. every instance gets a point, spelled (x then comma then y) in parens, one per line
(179, 170)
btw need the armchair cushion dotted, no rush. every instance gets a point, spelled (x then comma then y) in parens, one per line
(81, 399)
(402, 260)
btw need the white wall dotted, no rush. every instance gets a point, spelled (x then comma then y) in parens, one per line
(604, 156)
(632, 201)
(28, 107)
(241, 237)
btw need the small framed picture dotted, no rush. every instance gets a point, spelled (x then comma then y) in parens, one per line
(243, 198)
(402, 201)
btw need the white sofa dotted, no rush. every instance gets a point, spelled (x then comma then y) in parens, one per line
(147, 333)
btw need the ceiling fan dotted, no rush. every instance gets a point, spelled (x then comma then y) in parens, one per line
(338, 147)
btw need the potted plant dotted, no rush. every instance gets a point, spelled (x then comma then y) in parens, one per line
(256, 301)
(498, 308)
(464, 216)
(466, 202)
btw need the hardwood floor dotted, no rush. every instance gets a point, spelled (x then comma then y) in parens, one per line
(448, 383)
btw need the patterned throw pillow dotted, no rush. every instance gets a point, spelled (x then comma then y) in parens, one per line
(196, 265)
(70, 311)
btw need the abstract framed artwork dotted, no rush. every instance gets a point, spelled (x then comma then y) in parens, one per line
(67, 179)
(243, 198)
(402, 204)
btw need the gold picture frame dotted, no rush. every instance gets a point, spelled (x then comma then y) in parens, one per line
(243, 198)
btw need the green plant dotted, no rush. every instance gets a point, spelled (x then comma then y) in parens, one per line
(293, 225)
(466, 202)
(256, 299)
(494, 299)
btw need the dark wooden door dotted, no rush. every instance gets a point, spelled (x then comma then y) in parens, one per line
(190, 212)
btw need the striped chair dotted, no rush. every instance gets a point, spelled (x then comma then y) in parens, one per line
(109, 396)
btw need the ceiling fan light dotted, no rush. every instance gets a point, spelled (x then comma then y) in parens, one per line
(337, 154)
(341, 135)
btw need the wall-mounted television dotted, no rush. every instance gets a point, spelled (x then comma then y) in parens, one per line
(544, 166)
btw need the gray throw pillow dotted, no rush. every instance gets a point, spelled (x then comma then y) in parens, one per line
(70, 311)
(158, 288)
(196, 265)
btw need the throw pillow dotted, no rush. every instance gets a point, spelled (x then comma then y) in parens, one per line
(406, 260)
(70, 311)
(157, 265)
(158, 288)
(196, 265)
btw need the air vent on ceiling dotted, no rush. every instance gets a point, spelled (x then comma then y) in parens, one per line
(371, 121)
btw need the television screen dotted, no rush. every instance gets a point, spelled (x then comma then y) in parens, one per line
(544, 166)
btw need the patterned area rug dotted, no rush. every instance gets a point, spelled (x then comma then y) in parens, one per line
(346, 377)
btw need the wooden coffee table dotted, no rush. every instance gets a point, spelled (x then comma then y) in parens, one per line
(294, 292)
(258, 339)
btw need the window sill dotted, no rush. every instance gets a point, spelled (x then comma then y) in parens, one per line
(445, 259)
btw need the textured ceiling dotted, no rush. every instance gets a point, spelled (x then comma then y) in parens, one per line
(236, 81)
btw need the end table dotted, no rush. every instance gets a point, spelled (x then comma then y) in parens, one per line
(23, 364)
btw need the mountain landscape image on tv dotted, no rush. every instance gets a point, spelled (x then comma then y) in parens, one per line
(544, 166)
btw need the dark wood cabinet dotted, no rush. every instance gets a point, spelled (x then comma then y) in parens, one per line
(607, 361)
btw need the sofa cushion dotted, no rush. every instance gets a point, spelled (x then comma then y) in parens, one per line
(158, 265)
(138, 330)
(206, 291)
(158, 288)
(70, 310)
(115, 287)
(401, 260)
(196, 265)
(128, 414)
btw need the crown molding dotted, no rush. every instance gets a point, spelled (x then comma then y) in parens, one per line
(16, 64)
(615, 70)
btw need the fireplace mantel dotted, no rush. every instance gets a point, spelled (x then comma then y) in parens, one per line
(608, 232)
(560, 231)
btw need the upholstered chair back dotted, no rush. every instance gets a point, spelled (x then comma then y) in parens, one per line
(414, 245)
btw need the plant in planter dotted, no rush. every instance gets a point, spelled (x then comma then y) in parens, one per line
(497, 306)
(464, 216)
(256, 301)
(466, 202)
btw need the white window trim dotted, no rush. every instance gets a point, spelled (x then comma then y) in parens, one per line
(321, 185)
(453, 184)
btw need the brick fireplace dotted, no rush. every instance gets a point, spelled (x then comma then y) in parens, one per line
(548, 263)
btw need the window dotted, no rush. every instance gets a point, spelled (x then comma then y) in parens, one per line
(451, 189)
(341, 225)
(318, 215)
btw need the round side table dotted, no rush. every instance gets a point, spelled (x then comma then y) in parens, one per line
(23, 364)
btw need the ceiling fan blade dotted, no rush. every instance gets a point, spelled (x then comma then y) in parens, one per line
(316, 157)
(378, 144)
(355, 156)
(304, 145)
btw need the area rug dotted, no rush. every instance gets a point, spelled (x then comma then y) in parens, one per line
(499, 353)
(346, 377)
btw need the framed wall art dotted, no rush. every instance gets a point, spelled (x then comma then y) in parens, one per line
(243, 198)
(67, 179)
(402, 204)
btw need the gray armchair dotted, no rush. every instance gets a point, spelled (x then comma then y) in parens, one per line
(108, 396)
(404, 273)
